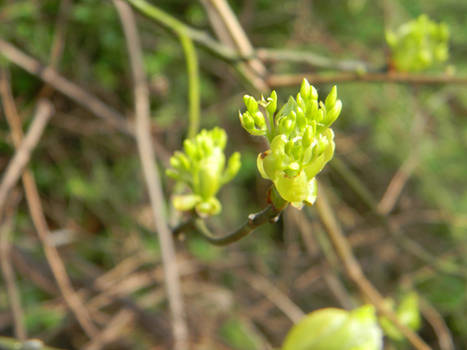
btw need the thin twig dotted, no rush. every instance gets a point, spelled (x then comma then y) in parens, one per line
(400, 78)
(112, 331)
(313, 59)
(151, 175)
(354, 269)
(23, 153)
(268, 214)
(73, 91)
(406, 243)
(438, 324)
(173, 24)
(275, 295)
(9, 277)
(35, 208)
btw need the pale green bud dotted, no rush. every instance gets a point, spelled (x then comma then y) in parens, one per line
(250, 103)
(307, 138)
(260, 122)
(331, 99)
(305, 89)
(333, 113)
(247, 121)
(272, 104)
(233, 166)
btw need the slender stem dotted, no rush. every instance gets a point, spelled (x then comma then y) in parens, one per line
(268, 214)
(193, 83)
(177, 27)
(400, 78)
(151, 176)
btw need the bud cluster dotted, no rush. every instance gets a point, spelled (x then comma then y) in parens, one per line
(301, 141)
(202, 168)
(418, 44)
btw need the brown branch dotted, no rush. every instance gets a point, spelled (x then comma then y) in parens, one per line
(151, 175)
(275, 295)
(280, 80)
(35, 208)
(112, 331)
(23, 152)
(9, 276)
(69, 89)
(354, 270)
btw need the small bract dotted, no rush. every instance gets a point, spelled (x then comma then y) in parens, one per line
(300, 138)
(202, 168)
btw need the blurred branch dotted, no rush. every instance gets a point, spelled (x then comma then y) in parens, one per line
(438, 324)
(268, 214)
(173, 24)
(404, 242)
(23, 153)
(231, 33)
(14, 296)
(151, 175)
(280, 80)
(315, 60)
(76, 93)
(35, 208)
(275, 295)
(354, 269)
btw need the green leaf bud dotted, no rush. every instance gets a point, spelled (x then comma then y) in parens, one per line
(185, 202)
(260, 122)
(331, 99)
(333, 113)
(247, 121)
(271, 105)
(233, 166)
(305, 89)
(250, 103)
(202, 169)
(308, 135)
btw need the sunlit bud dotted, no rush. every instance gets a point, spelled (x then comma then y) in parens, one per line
(272, 103)
(305, 89)
(332, 114)
(250, 103)
(247, 121)
(332, 97)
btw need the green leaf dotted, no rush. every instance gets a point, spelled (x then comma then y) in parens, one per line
(336, 329)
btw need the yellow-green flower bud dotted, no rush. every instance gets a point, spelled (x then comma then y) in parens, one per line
(202, 169)
(251, 104)
(418, 44)
(271, 104)
(301, 144)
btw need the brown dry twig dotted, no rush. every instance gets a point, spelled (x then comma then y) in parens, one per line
(280, 80)
(151, 175)
(355, 271)
(35, 207)
(9, 274)
(23, 153)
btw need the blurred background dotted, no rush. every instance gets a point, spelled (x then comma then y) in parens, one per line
(398, 185)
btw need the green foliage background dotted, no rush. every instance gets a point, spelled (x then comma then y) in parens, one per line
(91, 186)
